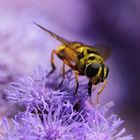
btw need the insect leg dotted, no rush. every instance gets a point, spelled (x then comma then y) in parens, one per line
(64, 69)
(52, 62)
(89, 88)
(100, 90)
(77, 83)
(63, 74)
(65, 61)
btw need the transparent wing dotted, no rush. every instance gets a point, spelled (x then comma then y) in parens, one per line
(57, 37)
(103, 50)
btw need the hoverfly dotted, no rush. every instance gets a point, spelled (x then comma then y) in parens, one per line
(83, 59)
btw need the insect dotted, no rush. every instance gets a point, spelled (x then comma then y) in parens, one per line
(83, 59)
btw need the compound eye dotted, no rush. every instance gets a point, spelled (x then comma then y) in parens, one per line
(107, 72)
(92, 69)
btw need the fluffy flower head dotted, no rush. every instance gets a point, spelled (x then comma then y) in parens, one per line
(57, 114)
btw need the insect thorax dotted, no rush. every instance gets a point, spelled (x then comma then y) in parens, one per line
(67, 53)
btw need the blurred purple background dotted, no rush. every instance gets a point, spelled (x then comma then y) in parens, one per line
(23, 46)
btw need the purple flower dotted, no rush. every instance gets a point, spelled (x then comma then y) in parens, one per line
(29, 91)
(58, 114)
(62, 124)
